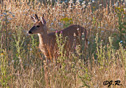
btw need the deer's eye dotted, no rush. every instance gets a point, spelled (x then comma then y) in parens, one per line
(37, 26)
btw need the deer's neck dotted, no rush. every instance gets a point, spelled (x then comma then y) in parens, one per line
(43, 38)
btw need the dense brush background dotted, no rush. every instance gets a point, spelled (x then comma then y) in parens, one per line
(21, 62)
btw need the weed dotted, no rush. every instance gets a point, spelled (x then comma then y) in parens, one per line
(20, 63)
(4, 75)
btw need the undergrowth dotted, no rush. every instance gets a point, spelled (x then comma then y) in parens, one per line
(21, 62)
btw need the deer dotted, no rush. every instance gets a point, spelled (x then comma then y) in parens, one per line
(47, 41)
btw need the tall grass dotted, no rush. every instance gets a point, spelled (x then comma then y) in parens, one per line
(21, 62)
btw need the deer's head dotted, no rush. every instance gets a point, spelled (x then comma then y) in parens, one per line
(39, 25)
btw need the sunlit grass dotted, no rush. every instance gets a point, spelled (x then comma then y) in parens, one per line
(22, 63)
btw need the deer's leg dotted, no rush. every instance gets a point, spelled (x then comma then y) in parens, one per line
(46, 75)
(50, 55)
(47, 82)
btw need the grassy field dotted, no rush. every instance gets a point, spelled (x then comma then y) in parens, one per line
(101, 65)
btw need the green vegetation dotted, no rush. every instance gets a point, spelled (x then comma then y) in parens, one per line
(21, 62)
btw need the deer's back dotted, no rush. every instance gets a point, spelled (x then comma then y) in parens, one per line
(69, 31)
(72, 32)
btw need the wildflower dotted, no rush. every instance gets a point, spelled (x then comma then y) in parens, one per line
(83, 2)
(71, 1)
(78, 29)
(94, 71)
(79, 61)
(56, 31)
(89, 18)
(9, 18)
(61, 24)
(24, 31)
(1, 15)
(10, 12)
(82, 38)
(117, 4)
(93, 7)
(20, 60)
(58, 4)
(12, 61)
(100, 4)
(77, 1)
(63, 14)
(61, 32)
(52, 23)
(5, 13)
(106, 25)
(52, 29)
(9, 8)
(70, 6)
(74, 34)
(30, 49)
(125, 9)
(89, 3)
(93, 1)
(54, 19)
(123, 3)
(13, 15)
(106, 75)
(1, 54)
(99, 27)
(53, 8)
(121, 41)
(84, 24)
(102, 31)
(9, 33)
(84, 6)
(65, 1)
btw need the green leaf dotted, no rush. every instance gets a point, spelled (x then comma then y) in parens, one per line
(115, 34)
(124, 23)
(123, 31)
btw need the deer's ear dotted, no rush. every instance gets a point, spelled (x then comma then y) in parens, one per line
(36, 17)
(42, 20)
(33, 18)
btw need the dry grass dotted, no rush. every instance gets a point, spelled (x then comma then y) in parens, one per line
(21, 62)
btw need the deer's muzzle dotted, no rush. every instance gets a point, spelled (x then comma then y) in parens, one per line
(30, 32)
